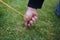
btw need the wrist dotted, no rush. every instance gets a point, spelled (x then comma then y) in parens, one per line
(32, 9)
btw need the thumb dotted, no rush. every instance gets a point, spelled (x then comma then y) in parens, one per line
(26, 18)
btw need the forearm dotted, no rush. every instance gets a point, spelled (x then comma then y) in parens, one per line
(35, 3)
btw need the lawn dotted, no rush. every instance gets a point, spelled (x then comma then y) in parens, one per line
(12, 24)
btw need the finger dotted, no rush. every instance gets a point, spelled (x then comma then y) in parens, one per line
(28, 25)
(34, 20)
(35, 17)
(35, 14)
(31, 23)
(26, 18)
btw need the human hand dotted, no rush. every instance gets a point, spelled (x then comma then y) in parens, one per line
(30, 17)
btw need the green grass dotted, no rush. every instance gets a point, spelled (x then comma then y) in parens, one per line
(12, 24)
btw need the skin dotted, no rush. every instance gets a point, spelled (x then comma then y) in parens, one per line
(31, 13)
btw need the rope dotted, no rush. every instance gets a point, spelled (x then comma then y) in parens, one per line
(11, 8)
